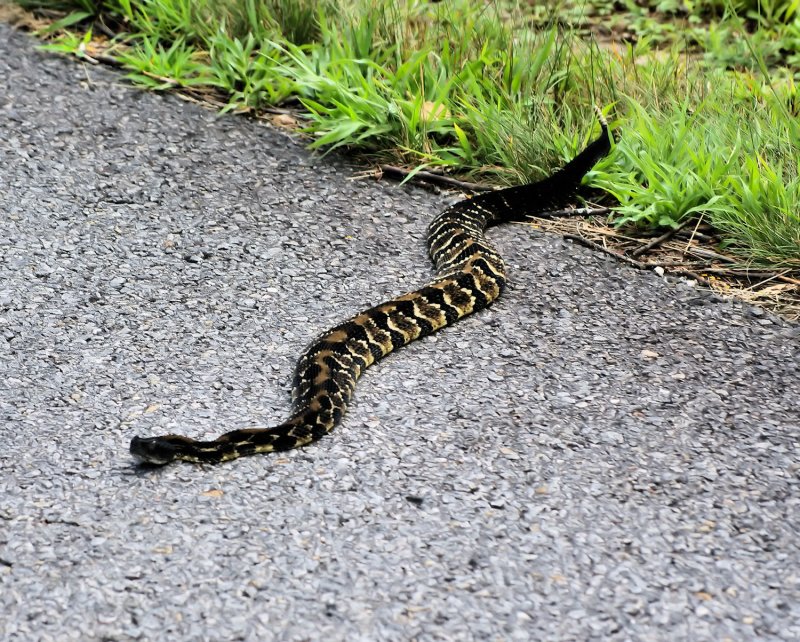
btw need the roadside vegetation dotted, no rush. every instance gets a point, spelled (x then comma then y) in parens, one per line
(702, 93)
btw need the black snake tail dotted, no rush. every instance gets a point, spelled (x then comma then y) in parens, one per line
(470, 275)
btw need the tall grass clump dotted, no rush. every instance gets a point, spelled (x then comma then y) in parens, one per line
(730, 163)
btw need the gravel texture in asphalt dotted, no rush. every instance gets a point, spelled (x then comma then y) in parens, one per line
(601, 455)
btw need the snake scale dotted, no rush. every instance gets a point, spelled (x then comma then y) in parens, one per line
(470, 275)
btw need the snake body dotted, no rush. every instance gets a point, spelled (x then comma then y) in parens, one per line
(470, 275)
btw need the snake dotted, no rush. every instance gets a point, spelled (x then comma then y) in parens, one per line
(470, 275)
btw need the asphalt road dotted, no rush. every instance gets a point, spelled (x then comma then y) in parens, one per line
(602, 455)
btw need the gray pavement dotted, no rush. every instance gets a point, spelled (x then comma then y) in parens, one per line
(603, 455)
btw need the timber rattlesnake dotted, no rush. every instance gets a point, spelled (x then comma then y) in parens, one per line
(470, 276)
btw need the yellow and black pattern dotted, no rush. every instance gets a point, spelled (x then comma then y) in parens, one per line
(470, 276)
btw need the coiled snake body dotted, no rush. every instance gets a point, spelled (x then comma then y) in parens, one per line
(470, 276)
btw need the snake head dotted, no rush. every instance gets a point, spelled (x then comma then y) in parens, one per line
(157, 450)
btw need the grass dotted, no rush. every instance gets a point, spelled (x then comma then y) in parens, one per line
(702, 91)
